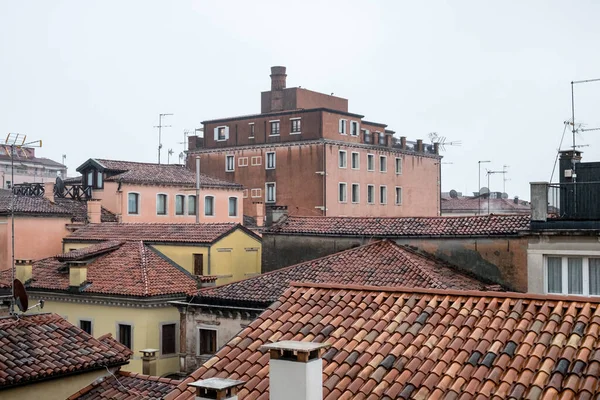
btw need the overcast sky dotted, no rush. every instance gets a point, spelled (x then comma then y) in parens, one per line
(91, 77)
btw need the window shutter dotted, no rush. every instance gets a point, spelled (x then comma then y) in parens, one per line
(227, 133)
(216, 133)
(340, 126)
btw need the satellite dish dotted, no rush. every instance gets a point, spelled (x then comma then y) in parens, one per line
(21, 299)
(453, 194)
(505, 195)
(59, 186)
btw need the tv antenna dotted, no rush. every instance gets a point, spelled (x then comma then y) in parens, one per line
(441, 141)
(160, 126)
(169, 154)
(490, 172)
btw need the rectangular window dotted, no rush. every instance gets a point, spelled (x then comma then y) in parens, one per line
(398, 165)
(354, 128)
(296, 126)
(270, 192)
(342, 192)
(161, 204)
(180, 204)
(575, 271)
(342, 159)
(382, 195)
(382, 163)
(382, 139)
(270, 160)
(168, 345)
(398, 196)
(251, 129)
(86, 326)
(256, 193)
(229, 163)
(199, 264)
(192, 205)
(371, 194)
(355, 160)
(124, 335)
(257, 160)
(274, 128)
(99, 180)
(243, 162)
(594, 276)
(355, 193)
(209, 206)
(367, 136)
(133, 203)
(221, 133)
(90, 178)
(233, 201)
(208, 341)
(554, 275)
(370, 162)
(342, 126)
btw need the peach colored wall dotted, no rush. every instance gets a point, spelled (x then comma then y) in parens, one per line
(148, 204)
(35, 238)
(109, 197)
(419, 182)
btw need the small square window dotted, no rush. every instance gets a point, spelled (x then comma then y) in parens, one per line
(256, 193)
(256, 160)
(208, 341)
(221, 133)
(274, 128)
(86, 326)
(296, 126)
(243, 162)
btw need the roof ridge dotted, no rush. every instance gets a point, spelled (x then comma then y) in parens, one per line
(407, 218)
(143, 266)
(415, 266)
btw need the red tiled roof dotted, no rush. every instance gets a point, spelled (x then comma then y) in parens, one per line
(131, 269)
(32, 205)
(485, 225)
(474, 204)
(78, 209)
(382, 263)
(126, 386)
(151, 232)
(90, 251)
(42, 346)
(165, 174)
(423, 343)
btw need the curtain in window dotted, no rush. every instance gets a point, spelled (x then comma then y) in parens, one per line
(575, 276)
(209, 205)
(554, 275)
(192, 205)
(594, 276)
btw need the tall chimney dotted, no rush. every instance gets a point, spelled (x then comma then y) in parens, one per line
(197, 189)
(216, 388)
(278, 76)
(295, 370)
(260, 214)
(149, 361)
(23, 270)
(49, 191)
(94, 211)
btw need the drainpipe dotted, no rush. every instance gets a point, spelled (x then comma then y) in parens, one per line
(324, 179)
(197, 189)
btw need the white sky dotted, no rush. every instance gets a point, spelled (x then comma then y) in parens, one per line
(90, 77)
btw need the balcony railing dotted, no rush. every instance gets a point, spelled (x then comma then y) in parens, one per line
(574, 201)
(75, 191)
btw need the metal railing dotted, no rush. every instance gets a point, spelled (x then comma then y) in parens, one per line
(74, 191)
(577, 201)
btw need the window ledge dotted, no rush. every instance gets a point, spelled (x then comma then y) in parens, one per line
(295, 133)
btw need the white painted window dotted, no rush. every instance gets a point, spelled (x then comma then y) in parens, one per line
(398, 165)
(229, 163)
(221, 133)
(274, 128)
(398, 196)
(255, 193)
(572, 275)
(256, 160)
(383, 194)
(242, 161)
(371, 194)
(355, 193)
(133, 203)
(342, 159)
(342, 192)
(370, 162)
(270, 192)
(251, 126)
(354, 128)
(355, 160)
(270, 162)
(342, 126)
(382, 163)
(296, 126)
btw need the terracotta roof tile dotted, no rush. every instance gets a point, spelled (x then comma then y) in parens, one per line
(126, 386)
(473, 204)
(382, 263)
(31, 205)
(433, 327)
(485, 225)
(43, 346)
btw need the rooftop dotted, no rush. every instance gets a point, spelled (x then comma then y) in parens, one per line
(129, 268)
(155, 232)
(126, 386)
(150, 173)
(485, 225)
(29, 205)
(44, 346)
(382, 263)
(476, 204)
(423, 343)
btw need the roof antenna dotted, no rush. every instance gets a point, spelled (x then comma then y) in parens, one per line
(160, 126)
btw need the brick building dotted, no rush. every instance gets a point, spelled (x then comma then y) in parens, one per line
(307, 152)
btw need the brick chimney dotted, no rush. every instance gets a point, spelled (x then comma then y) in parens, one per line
(94, 211)
(295, 370)
(419, 148)
(49, 191)
(260, 213)
(23, 270)
(149, 361)
(77, 274)
(277, 85)
(216, 388)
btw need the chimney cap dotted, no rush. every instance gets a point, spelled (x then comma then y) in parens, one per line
(148, 351)
(294, 345)
(216, 383)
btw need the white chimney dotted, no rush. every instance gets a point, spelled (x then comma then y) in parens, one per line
(295, 370)
(216, 388)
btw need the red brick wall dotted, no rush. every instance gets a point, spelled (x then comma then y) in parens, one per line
(298, 98)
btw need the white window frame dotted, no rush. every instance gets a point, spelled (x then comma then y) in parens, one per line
(385, 163)
(245, 193)
(343, 126)
(345, 158)
(139, 205)
(206, 328)
(372, 156)
(384, 187)
(250, 126)
(292, 124)
(371, 187)
(274, 192)
(227, 156)
(357, 192)
(345, 185)
(188, 203)
(166, 204)
(271, 127)
(226, 129)
(267, 160)
(256, 193)
(585, 273)
(160, 339)
(237, 206)
(256, 160)
(214, 206)
(357, 160)
(353, 124)
(242, 161)
(398, 171)
(398, 203)
(184, 205)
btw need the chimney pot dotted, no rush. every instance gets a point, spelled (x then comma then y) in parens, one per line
(23, 270)
(77, 274)
(49, 191)
(278, 76)
(94, 211)
(149, 361)
(260, 214)
(216, 388)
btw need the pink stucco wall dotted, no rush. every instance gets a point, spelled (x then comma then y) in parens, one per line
(419, 183)
(35, 238)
